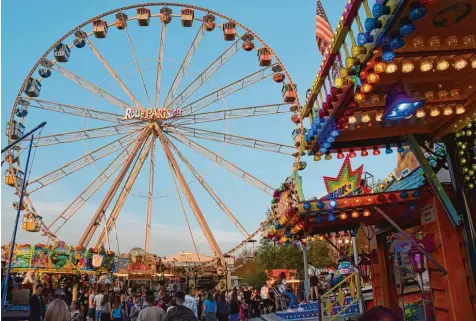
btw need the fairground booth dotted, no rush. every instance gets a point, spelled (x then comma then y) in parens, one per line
(398, 77)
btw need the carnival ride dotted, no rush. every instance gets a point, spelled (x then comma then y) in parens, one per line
(171, 119)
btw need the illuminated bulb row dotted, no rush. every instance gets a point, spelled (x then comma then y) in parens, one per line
(451, 41)
(442, 64)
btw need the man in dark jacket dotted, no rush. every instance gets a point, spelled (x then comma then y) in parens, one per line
(180, 312)
(37, 305)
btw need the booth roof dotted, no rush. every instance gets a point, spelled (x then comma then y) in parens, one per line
(184, 257)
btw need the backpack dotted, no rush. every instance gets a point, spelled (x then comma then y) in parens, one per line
(223, 307)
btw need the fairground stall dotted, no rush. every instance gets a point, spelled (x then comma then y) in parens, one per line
(398, 75)
(58, 267)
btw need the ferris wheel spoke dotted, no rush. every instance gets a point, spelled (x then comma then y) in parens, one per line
(91, 87)
(252, 111)
(190, 198)
(210, 191)
(224, 163)
(137, 65)
(150, 197)
(79, 163)
(92, 188)
(111, 220)
(113, 74)
(98, 215)
(252, 236)
(234, 140)
(226, 91)
(183, 68)
(86, 134)
(159, 65)
(72, 110)
(201, 79)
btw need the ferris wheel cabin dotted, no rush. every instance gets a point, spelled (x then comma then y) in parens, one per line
(143, 17)
(166, 15)
(289, 93)
(30, 223)
(15, 129)
(100, 28)
(229, 31)
(264, 57)
(121, 21)
(209, 22)
(187, 16)
(13, 175)
(33, 88)
(62, 53)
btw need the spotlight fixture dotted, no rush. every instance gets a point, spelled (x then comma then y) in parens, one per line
(391, 68)
(460, 63)
(442, 64)
(426, 65)
(407, 66)
(434, 111)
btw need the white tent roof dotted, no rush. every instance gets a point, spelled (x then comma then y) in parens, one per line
(187, 257)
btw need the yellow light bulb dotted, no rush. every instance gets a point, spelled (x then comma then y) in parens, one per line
(375, 99)
(426, 65)
(343, 216)
(442, 94)
(407, 66)
(366, 88)
(355, 214)
(448, 111)
(473, 61)
(452, 41)
(434, 111)
(352, 120)
(429, 95)
(366, 212)
(380, 67)
(365, 118)
(373, 78)
(378, 116)
(359, 97)
(442, 64)
(391, 68)
(460, 63)
(420, 113)
(339, 82)
(418, 42)
(460, 110)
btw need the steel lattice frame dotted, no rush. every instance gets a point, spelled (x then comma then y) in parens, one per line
(135, 141)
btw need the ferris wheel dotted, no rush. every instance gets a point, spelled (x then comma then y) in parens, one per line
(135, 112)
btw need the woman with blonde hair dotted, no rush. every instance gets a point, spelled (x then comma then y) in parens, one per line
(57, 311)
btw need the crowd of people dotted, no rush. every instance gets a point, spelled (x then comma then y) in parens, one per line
(160, 304)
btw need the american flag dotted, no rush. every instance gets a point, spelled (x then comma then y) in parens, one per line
(324, 31)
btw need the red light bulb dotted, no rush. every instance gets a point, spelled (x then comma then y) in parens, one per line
(352, 153)
(340, 155)
(364, 152)
(376, 151)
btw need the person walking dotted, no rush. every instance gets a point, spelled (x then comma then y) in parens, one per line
(37, 304)
(209, 308)
(106, 308)
(135, 310)
(190, 302)
(117, 311)
(97, 304)
(151, 312)
(57, 311)
(76, 314)
(91, 314)
(223, 308)
(180, 312)
(234, 307)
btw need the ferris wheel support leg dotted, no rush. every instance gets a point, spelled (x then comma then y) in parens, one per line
(123, 195)
(191, 200)
(91, 229)
(150, 198)
(15, 228)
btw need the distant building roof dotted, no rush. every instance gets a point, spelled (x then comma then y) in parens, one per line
(187, 257)
(413, 180)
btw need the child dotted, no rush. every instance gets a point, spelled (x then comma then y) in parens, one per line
(243, 310)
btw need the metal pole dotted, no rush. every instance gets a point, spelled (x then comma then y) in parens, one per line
(4, 149)
(356, 261)
(306, 276)
(15, 228)
(412, 241)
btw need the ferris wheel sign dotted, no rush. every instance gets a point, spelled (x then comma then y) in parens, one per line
(152, 114)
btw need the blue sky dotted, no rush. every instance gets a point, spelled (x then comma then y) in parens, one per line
(290, 32)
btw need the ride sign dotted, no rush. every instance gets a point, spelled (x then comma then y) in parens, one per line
(152, 113)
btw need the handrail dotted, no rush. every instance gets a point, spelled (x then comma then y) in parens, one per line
(339, 284)
(327, 296)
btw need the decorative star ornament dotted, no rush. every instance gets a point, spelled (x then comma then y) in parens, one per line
(346, 176)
